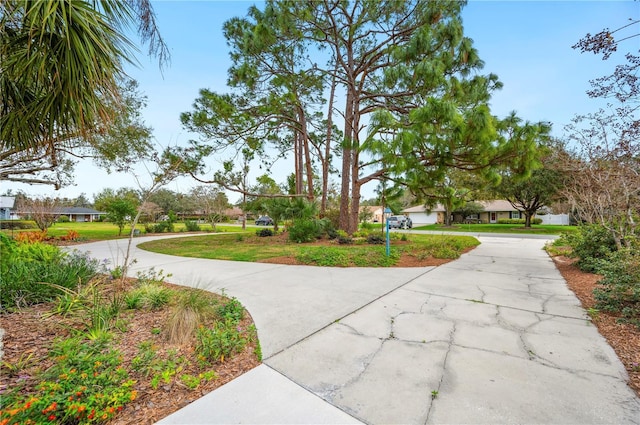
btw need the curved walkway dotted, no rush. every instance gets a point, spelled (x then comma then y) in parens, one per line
(494, 337)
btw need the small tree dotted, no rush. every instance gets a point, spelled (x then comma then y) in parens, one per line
(469, 208)
(44, 211)
(121, 212)
(531, 194)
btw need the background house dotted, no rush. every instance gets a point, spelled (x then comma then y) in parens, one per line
(6, 207)
(81, 214)
(373, 213)
(420, 216)
(493, 211)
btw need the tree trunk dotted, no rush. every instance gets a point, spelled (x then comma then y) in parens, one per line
(527, 219)
(345, 190)
(304, 139)
(327, 149)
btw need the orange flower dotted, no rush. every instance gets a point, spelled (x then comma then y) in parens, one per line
(4, 421)
(134, 393)
(82, 408)
(105, 416)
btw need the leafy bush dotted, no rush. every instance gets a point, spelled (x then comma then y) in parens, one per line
(619, 288)
(18, 224)
(220, 342)
(305, 230)
(591, 243)
(191, 226)
(375, 239)
(264, 233)
(86, 384)
(63, 219)
(24, 266)
(518, 221)
(232, 310)
(344, 238)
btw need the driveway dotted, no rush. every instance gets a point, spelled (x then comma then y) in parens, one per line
(494, 337)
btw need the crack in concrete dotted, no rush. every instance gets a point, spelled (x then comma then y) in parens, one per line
(497, 305)
(435, 392)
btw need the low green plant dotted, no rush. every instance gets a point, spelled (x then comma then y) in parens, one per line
(262, 233)
(376, 239)
(86, 384)
(220, 342)
(232, 310)
(191, 226)
(24, 362)
(343, 238)
(619, 289)
(152, 296)
(193, 382)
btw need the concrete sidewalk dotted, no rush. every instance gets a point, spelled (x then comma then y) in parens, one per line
(494, 337)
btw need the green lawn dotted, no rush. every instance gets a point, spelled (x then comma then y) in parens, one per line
(97, 231)
(540, 229)
(252, 248)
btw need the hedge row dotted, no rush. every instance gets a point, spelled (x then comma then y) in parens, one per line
(17, 224)
(518, 221)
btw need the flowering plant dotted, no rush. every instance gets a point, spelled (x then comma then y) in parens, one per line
(86, 385)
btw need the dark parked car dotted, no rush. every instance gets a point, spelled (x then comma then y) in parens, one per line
(264, 220)
(400, 222)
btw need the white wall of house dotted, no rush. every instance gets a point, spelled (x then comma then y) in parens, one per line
(421, 218)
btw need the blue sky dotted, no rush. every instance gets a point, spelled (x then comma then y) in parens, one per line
(526, 43)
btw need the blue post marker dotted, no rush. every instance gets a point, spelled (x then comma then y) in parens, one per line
(387, 238)
(387, 212)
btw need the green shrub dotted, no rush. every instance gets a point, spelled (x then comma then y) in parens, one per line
(264, 233)
(18, 224)
(191, 226)
(224, 340)
(619, 289)
(518, 221)
(231, 311)
(303, 231)
(591, 244)
(63, 219)
(376, 239)
(23, 268)
(343, 238)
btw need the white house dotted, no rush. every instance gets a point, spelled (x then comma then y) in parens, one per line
(493, 211)
(6, 205)
(420, 217)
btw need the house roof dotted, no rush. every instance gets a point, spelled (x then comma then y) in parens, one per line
(371, 208)
(79, 210)
(495, 206)
(499, 205)
(422, 208)
(7, 201)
